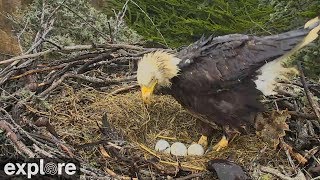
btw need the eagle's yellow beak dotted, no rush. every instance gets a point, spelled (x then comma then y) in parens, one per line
(147, 92)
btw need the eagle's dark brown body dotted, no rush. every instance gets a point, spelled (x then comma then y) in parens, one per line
(217, 75)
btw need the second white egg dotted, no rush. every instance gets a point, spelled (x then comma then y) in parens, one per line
(178, 149)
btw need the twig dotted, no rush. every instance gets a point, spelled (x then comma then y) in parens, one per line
(123, 89)
(42, 122)
(191, 176)
(42, 12)
(71, 48)
(81, 146)
(164, 40)
(257, 24)
(101, 57)
(297, 156)
(6, 77)
(5, 126)
(86, 78)
(41, 151)
(25, 133)
(116, 176)
(302, 115)
(276, 104)
(290, 159)
(51, 78)
(20, 34)
(299, 176)
(101, 82)
(308, 94)
(53, 43)
(26, 56)
(46, 27)
(98, 31)
(33, 71)
(120, 17)
(111, 33)
(54, 85)
(118, 59)
(84, 177)
(93, 174)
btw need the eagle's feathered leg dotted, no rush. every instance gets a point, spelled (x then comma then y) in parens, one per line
(206, 133)
(229, 135)
(222, 144)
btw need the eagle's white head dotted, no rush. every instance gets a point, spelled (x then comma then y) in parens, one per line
(156, 68)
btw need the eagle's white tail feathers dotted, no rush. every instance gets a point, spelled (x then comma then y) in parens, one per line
(270, 74)
(266, 81)
(311, 22)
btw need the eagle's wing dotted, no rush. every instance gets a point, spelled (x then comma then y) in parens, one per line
(216, 77)
(224, 61)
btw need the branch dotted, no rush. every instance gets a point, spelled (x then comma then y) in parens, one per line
(84, 20)
(5, 126)
(123, 89)
(302, 115)
(300, 175)
(116, 176)
(101, 57)
(71, 48)
(33, 71)
(192, 176)
(308, 94)
(86, 78)
(18, 58)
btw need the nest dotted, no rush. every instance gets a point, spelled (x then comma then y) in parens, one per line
(76, 113)
(93, 113)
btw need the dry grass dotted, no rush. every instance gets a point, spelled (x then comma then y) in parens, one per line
(75, 113)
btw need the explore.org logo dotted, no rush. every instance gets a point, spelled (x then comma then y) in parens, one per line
(60, 168)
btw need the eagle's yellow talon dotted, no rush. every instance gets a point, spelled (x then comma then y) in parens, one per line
(203, 141)
(222, 144)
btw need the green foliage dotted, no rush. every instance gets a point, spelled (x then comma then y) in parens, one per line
(184, 21)
(181, 22)
(311, 60)
(76, 22)
(294, 13)
(289, 14)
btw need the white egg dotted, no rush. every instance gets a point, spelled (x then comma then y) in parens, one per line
(195, 150)
(162, 146)
(178, 149)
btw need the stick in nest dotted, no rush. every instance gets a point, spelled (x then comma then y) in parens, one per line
(5, 126)
(300, 175)
(313, 104)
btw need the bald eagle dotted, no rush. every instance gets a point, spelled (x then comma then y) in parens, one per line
(223, 78)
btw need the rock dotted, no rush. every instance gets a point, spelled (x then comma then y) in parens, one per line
(226, 170)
